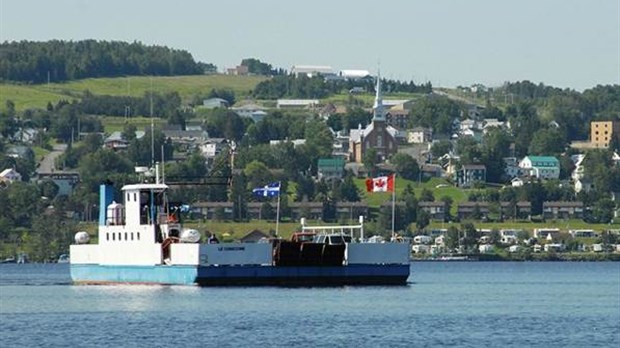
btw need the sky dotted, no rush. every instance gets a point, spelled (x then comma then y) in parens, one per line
(564, 43)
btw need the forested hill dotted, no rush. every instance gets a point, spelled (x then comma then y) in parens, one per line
(35, 62)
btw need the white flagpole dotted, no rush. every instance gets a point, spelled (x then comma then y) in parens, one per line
(278, 209)
(393, 202)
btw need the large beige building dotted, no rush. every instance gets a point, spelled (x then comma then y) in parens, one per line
(602, 132)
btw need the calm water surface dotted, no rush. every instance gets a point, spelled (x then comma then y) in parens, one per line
(463, 304)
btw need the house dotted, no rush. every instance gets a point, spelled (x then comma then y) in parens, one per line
(489, 123)
(419, 135)
(208, 209)
(10, 175)
(25, 135)
(115, 141)
(351, 210)
(520, 209)
(377, 135)
(254, 236)
(252, 111)
(541, 167)
(431, 170)
(436, 210)
(563, 210)
(212, 147)
(330, 168)
(186, 139)
(469, 174)
(240, 70)
(603, 132)
(214, 103)
(397, 117)
(472, 210)
(297, 103)
(511, 167)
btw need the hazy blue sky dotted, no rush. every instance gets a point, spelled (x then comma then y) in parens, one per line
(564, 43)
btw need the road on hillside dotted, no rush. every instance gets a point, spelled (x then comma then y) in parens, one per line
(47, 163)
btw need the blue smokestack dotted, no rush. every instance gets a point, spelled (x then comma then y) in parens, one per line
(106, 196)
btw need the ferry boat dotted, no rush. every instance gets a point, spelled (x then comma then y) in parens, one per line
(142, 241)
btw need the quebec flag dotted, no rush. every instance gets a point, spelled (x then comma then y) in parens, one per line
(270, 190)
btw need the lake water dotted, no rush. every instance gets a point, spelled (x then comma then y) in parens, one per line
(463, 304)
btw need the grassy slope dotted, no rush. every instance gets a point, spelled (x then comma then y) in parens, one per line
(37, 96)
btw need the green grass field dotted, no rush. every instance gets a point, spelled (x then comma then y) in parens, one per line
(37, 96)
(112, 124)
(376, 199)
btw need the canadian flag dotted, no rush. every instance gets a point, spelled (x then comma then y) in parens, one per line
(380, 184)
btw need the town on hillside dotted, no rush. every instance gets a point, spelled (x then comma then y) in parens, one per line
(517, 169)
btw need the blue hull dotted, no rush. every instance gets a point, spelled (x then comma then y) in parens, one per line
(243, 275)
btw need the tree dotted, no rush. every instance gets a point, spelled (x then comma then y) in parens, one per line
(423, 219)
(441, 148)
(406, 166)
(266, 211)
(426, 195)
(258, 174)
(370, 161)
(547, 141)
(348, 190)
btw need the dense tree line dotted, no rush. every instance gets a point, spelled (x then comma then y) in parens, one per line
(162, 105)
(57, 60)
(317, 86)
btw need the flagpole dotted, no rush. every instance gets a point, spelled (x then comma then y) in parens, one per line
(278, 210)
(393, 202)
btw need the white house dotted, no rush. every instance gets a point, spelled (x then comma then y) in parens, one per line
(541, 167)
(10, 175)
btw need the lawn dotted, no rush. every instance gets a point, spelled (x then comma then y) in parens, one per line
(112, 124)
(439, 187)
(37, 96)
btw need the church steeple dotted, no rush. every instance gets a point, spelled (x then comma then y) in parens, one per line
(378, 106)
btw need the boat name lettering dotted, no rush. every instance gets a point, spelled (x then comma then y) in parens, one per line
(230, 248)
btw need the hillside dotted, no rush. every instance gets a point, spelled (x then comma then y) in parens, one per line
(37, 96)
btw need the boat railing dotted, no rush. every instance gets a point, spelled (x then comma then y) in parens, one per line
(347, 230)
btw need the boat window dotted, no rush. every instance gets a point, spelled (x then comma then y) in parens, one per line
(126, 236)
(135, 199)
(107, 236)
(113, 236)
(131, 235)
(119, 236)
(138, 237)
(128, 197)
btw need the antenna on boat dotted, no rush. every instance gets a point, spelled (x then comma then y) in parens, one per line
(163, 166)
(152, 127)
